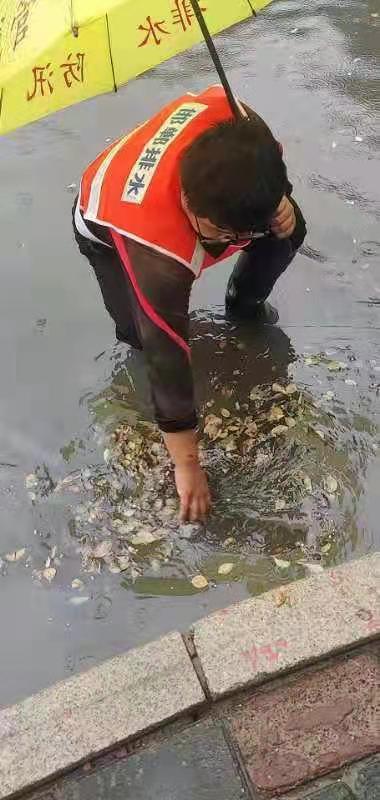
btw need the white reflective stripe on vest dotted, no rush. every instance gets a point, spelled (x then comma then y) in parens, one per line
(83, 229)
(97, 183)
(198, 258)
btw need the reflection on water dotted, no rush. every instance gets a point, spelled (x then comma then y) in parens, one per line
(312, 70)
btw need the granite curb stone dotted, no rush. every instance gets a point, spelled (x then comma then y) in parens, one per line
(257, 639)
(91, 712)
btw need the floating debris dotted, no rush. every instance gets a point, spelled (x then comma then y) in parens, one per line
(199, 582)
(31, 481)
(280, 430)
(124, 562)
(225, 569)
(320, 359)
(101, 551)
(307, 484)
(49, 573)
(276, 413)
(127, 518)
(336, 366)
(280, 563)
(280, 505)
(212, 426)
(331, 484)
(77, 584)
(145, 537)
(16, 555)
(189, 530)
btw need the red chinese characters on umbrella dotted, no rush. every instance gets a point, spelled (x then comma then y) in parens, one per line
(182, 16)
(72, 71)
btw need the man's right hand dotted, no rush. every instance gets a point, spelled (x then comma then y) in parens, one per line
(194, 494)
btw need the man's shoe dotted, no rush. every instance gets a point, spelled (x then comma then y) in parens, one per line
(262, 313)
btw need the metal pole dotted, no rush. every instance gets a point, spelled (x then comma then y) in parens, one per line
(216, 60)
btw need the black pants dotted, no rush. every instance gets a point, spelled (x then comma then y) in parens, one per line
(252, 280)
(259, 267)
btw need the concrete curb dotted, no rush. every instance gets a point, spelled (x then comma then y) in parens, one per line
(125, 697)
(68, 723)
(299, 624)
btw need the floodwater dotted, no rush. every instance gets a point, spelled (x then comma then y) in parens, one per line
(312, 70)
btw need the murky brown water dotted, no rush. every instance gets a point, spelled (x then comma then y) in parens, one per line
(312, 71)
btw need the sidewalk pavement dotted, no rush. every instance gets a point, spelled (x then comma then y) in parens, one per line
(264, 699)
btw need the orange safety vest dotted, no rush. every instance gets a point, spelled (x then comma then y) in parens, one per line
(133, 187)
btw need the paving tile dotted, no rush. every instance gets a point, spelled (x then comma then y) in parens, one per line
(311, 725)
(336, 791)
(93, 711)
(364, 779)
(259, 638)
(194, 765)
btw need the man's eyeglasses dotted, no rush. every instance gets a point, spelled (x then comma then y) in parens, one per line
(230, 238)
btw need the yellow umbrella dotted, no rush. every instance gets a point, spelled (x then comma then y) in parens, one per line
(54, 53)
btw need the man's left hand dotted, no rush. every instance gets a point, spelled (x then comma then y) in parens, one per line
(284, 221)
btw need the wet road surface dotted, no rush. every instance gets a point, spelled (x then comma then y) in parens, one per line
(312, 71)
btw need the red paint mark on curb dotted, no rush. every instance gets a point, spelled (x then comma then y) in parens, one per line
(269, 652)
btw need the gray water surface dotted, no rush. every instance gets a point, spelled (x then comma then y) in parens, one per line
(312, 70)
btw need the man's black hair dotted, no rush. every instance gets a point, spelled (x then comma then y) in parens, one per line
(234, 175)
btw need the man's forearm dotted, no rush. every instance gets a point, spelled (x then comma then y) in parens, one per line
(182, 447)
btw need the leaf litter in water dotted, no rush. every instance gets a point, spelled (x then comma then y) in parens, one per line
(76, 583)
(149, 514)
(225, 569)
(307, 484)
(199, 582)
(280, 563)
(145, 537)
(331, 484)
(49, 573)
(102, 550)
(15, 555)
(123, 562)
(276, 413)
(285, 390)
(336, 366)
(279, 430)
